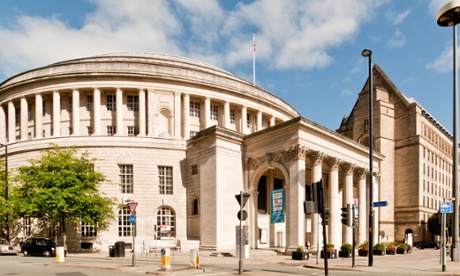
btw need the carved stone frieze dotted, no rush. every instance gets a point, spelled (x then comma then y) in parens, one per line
(292, 153)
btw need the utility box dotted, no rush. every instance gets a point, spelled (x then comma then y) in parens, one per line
(60, 254)
(120, 249)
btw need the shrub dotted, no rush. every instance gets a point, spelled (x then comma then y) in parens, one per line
(364, 246)
(300, 248)
(379, 246)
(346, 247)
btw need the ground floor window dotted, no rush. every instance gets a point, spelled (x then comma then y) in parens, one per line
(166, 223)
(125, 228)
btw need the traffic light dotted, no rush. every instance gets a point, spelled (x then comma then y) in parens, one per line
(327, 214)
(347, 215)
(318, 197)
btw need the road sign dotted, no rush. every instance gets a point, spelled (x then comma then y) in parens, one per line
(132, 219)
(446, 207)
(132, 206)
(380, 203)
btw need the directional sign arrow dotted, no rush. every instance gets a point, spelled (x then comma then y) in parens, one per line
(380, 203)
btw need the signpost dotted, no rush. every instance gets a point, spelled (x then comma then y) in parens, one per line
(380, 203)
(132, 219)
(444, 208)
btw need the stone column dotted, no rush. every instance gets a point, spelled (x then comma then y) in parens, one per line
(186, 114)
(317, 234)
(56, 114)
(151, 113)
(295, 226)
(3, 124)
(38, 116)
(362, 207)
(177, 115)
(76, 112)
(272, 121)
(207, 112)
(348, 199)
(335, 232)
(142, 124)
(244, 114)
(119, 112)
(227, 114)
(11, 122)
(259, 121)
(24, 118)
(97, 111)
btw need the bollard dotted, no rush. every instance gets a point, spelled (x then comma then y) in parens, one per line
(60, 254)
(165, 259)
(194, 258)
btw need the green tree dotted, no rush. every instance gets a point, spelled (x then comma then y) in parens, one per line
(434, 224)
(62, 186)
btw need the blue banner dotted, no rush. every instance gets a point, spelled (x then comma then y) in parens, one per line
(277, 206)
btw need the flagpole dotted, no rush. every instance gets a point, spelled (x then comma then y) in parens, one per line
(254, 60)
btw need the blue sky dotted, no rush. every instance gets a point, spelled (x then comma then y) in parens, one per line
(308, 52)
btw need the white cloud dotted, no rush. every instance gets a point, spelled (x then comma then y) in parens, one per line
(397, 18)
(290, 34)
(443, 63)
(398, 40)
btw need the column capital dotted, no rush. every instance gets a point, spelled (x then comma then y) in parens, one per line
(333, 163)
(348, 168)
(316, 157)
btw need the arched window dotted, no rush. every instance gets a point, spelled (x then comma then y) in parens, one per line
(125, 228)
(166, 223)
(195, 207)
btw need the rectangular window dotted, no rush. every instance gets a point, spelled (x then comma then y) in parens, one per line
(126, 179)
(194, 169)
(111, 130)
(88, 230)
(194, 109)
(232, 116)
(111, 103)
(44, 108)
(133, 131)
(26, 226)
(89, 103)
(248, 120)
(165, 180)
(90, 130)
(133, 103)
(69, 104)
(214, 112)
(125, 228)
(29, 112)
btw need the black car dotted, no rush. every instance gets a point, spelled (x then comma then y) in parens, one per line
(40, 247)
(431, 244)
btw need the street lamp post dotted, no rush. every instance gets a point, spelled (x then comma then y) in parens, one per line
(449, 15)
(7, 226)
(368, 53)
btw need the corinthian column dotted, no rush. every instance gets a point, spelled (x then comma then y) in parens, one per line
(56, 114)
(38, 115)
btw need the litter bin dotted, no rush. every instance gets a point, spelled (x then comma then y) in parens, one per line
(120, 249)
(111, 251)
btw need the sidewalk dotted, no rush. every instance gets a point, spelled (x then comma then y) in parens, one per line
(420, 262)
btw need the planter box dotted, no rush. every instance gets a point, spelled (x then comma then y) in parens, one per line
(345, 254)
(391, 252)
(363, 253)
(378, 252)
(299, 255)
(401, 251)
(330, 255)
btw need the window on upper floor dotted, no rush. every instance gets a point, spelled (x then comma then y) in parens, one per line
(126, 179)
(44, 108)
(248, 120)
(133, 103)
(133, 131)
(89, 103)
(111, 102)
(194, 109)
(69, 104)
(232, 116)
(195, 207)
(214, 112)
(29, 112)
(165, 180)
(111, 130)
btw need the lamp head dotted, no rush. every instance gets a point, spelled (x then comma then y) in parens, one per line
(366, 53)
(449, 14)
